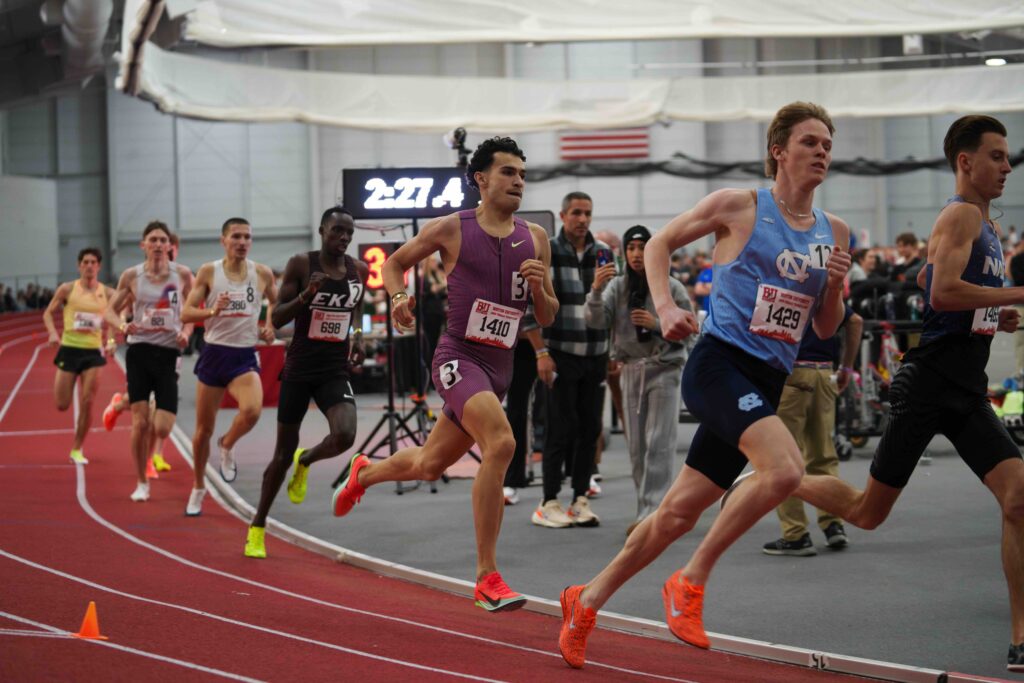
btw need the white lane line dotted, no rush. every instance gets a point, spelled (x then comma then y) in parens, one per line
(19, 340)
(228, 620)
(21, 380)
(84, 502)
(55, 632)
(35, 634)
(54, 432)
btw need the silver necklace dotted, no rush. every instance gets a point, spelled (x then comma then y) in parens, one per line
(790, 211)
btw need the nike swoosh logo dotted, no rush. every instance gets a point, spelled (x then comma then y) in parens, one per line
(572, 618)
(818, 237)
(347, 396)
(672, 606)
(516, 244)
(495, 602)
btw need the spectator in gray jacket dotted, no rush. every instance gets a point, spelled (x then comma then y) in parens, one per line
(651, 371)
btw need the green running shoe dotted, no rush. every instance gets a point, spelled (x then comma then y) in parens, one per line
(297, 484)
(254, 543)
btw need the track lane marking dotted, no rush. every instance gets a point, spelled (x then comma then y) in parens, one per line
(54, 632)
(226, 620)
(21, 380)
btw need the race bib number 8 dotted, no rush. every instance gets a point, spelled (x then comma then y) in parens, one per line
(85, 322)
(780, 314)
(329, 326)
(493, 324)
(986, 321)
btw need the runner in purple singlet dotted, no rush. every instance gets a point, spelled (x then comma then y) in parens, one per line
(496, 264)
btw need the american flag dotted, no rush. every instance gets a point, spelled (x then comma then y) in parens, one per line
(618, 143)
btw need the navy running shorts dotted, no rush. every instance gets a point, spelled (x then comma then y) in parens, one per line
(728, 390)
(293, 401)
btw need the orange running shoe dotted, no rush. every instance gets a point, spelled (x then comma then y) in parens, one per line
(684, 608)
(151, 472)
(349, 492)
(494, 595)
(112, 412)
(577, 623)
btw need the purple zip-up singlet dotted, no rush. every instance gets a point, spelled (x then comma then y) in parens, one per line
(487, 268)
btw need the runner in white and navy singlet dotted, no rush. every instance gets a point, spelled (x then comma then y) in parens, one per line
(496, 265)
(232, 289)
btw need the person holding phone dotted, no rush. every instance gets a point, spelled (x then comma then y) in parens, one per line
(572, 360)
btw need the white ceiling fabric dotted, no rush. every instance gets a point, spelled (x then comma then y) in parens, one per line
(212, 89)
(234, 23)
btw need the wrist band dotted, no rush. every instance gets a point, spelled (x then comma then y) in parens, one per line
(540, 353)
(398, 297)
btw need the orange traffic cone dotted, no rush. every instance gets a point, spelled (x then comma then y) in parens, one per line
(90, 625)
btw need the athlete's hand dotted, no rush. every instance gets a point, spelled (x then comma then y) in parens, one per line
(533, 271)
(182, 340)
(677, 324)
(1009, 319)
(267, 334)
(131, 328)
(316, 281)
(53, 340)
(843, 377)
(546, 370)
(838, 264)
(602, 275)
(402, 314)
(223, 299)
(641, 317)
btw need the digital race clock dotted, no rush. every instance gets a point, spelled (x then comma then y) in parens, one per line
(407, 192)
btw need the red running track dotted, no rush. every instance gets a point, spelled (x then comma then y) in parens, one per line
(178, 600)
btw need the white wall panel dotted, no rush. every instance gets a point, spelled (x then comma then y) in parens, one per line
(279, 182)
(213, 174)
(28, 224)
(31, 147)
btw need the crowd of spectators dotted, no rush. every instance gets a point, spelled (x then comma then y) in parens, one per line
(31, 298)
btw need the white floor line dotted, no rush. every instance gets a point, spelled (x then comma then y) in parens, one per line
(19, 340)
(227, 620)
(21, 380)
(55, 632)
(54, 432)
(87, 507)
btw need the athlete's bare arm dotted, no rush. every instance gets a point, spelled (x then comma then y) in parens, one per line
(949, 250)
(60, 298)
(441, 234)
(191, 313)
(831, 310)
(727, 213)
(268, 289)
(538, 274)
(125, 287)
(296, 273)
(187, 280)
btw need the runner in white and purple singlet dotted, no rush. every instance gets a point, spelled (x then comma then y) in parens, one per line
(496, 264)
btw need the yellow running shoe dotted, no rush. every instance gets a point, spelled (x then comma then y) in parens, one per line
(78, 457)
(297, 484)
(254, 546)
(160, 464)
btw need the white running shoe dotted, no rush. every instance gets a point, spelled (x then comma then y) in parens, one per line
(551, 515)
(511, 495)
(228, 468)
(141, 493)
(595, 489)
(195, 503)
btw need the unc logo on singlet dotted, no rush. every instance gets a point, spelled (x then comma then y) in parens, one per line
(331, 314)
(793, 265)
(994, 266)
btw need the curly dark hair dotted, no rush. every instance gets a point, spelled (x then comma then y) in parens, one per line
(483, 157)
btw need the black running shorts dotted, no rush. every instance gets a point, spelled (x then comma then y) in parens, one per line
(76, 361)
(293, 401)
(923, 404)
(153, 370)
(728, 390)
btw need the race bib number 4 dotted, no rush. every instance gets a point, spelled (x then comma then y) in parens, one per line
(85, 322)
(986, 321)
(780, 314)
(154, 318)
(329, 326)
(493, 324)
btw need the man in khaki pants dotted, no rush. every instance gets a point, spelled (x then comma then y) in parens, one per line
(808, 409)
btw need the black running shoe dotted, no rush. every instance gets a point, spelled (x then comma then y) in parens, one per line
(801, 547)
(835, 536)
(1015, 660)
